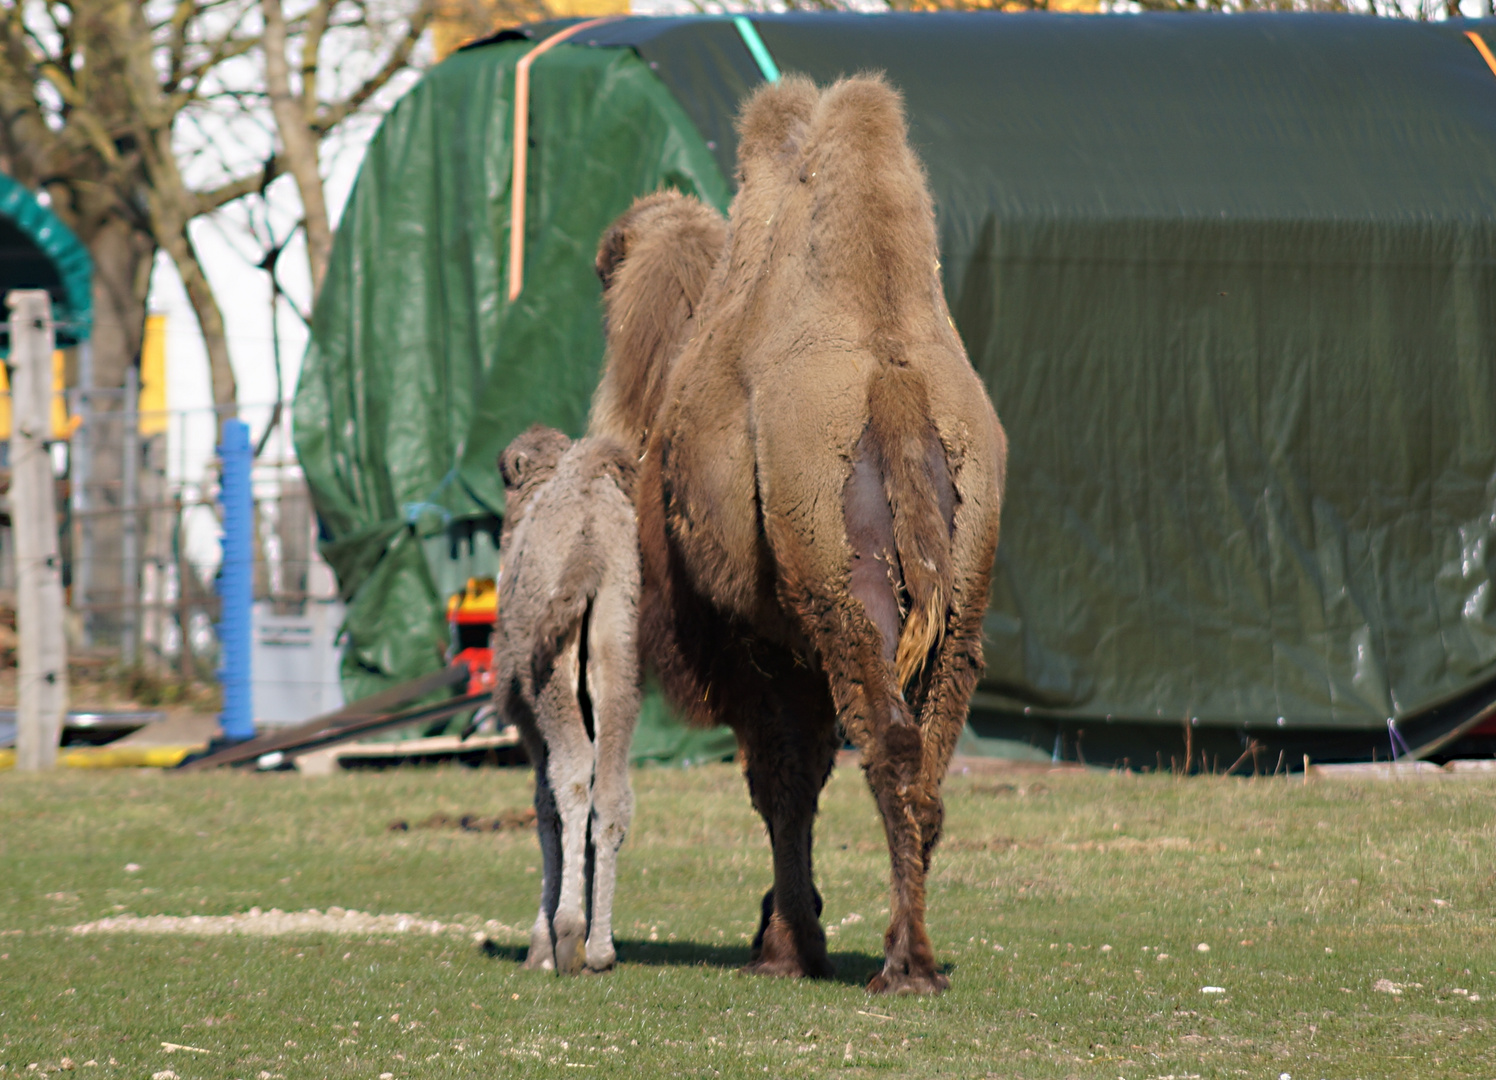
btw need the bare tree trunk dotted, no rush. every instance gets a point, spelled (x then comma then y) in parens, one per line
(209, 318)
(122, 258)
(293, 117)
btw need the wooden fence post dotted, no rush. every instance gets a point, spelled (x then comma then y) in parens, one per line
(43, 676)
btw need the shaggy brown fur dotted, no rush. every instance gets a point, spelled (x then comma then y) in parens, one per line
(819, 495)
(659, 255)
(567, 673)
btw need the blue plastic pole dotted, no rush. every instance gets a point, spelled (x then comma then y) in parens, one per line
(236, 582)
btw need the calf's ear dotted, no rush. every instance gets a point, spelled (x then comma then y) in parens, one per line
(513, 464)
(611, 251)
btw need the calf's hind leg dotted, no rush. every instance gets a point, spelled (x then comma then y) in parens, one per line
(613, 685)
(542, 954)
(569, 769)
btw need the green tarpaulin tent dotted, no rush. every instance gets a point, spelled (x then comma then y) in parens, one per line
(1229, 280)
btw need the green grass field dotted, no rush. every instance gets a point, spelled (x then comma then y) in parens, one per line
(1068, 906)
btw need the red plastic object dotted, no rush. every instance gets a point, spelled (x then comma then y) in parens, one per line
(471, 616)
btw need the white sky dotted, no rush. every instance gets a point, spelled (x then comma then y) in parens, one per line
(229, 255)
(216, 141)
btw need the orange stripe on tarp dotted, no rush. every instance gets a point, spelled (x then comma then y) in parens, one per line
(521, 144)
(1483, 49)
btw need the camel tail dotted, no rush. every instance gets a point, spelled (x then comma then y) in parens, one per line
(563, 612)
(921, 496)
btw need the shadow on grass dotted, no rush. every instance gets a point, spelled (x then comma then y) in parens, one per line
(852, 968)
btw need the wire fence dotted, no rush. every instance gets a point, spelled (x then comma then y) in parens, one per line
(139, 530)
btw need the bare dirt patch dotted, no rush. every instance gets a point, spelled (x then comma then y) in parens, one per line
(505, 821)
(276, 923)
(1124, 844)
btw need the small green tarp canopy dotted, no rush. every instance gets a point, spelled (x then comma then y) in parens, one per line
(1228, 279)
(37, 251)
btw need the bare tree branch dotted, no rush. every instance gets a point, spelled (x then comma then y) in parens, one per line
(114, 104)
(24, 123)
(298, 139)
(189, 266)
(311, 54)
(189, 89)
(334, 114)
(208, 201)
(181, 16)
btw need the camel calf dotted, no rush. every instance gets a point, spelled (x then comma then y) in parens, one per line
(567, 673)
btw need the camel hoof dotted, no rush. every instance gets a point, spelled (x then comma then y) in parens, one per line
(541, 956)
(785, 967)
(888, 982)
(778, 954)
(600, 960)
(569, 955)
(781, 968)
(571, 941)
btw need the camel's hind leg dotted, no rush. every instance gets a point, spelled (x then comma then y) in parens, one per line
(892, 759)
(860, 661)
(569, 769)
(789, 744)
(613, 685)
(905, 773)
(766, 913)
(957, 668)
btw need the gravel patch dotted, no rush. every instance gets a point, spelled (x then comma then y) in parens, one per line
(277, 923)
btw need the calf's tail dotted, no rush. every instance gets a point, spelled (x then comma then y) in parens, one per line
(564, 610)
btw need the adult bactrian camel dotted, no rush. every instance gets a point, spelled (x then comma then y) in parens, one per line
(820, 486)
(566, 672)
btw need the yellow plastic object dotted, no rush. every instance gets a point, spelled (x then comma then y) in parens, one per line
(153, 406)
(154, 417)
(63, 426)
(479, 602)
(113, 757)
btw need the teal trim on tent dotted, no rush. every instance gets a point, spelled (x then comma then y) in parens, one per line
(755, 45)
(38, 251)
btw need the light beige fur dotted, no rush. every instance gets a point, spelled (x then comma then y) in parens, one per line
(566, 672)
